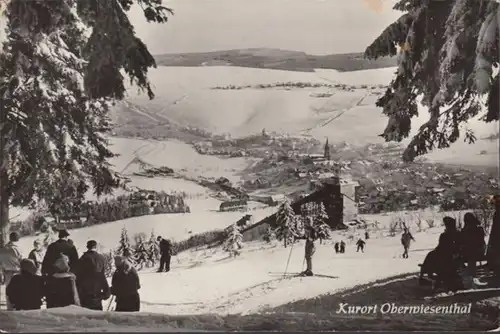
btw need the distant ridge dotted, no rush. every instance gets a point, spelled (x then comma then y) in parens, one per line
(275, 59)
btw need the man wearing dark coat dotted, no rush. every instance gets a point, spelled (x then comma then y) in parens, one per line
(91, 280)
(55, 249)
(448, 250)
(166, 254)
(26, 290)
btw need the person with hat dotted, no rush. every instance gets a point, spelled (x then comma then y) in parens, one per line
(55, 249)
(10, 261)
(91, 280)
(26, 290)
(448, 250)
(166, 254)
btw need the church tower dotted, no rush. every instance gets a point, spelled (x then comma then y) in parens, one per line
(326, 155)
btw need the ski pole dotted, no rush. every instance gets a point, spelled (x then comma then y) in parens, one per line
(288, 262)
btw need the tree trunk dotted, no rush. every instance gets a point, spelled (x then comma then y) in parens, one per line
(493, 253)
(4, 196)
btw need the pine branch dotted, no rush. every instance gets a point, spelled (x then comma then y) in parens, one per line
(394, 35)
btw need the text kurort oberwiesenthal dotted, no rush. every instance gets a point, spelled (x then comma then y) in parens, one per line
(393, 308)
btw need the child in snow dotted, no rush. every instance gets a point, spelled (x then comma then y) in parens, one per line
(361, 245)
(37, 255)
(125, 286)
(406, 240)
(60, 287)
(25, 290)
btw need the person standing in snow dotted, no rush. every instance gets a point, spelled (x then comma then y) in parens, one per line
(61, 246)
(406, 239)
(361, 245)
(60, 285)
(91, 280)
(310, 249)
(166, 254)
(10, 261)
(37, 255)
(125, 286)
(342, 247)
(26, 290)
(337, 247)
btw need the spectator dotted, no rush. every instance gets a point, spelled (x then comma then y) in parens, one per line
(125, 286)
(25, 290)
(472, 243)
(60, 287)
(448, 251)
(61, 246)
(91, 280)
(37, 255)
(10, 261)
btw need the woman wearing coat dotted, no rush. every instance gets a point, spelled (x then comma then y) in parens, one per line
(125, 286)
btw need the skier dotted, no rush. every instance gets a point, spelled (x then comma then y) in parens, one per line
(367, 236)
(337, 247)
(10, 261)
(342, 247)
(91, 281)
(361, 245)
(37, 255)
(166, 254)
(406, 239)
(310, 249)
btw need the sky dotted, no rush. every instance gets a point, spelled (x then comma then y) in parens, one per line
(313, 26)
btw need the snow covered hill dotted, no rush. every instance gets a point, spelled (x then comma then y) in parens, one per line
(339, 105)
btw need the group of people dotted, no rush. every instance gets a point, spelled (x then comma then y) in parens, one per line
(58, 276)
(456, 250)
(339, 247)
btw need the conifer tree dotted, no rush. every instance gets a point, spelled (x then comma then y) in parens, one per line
(153, 249)
(447, 53)
(234, 241)
(286, 223)
(124, 248)
(320, 224)
(62, 66)
(141, 254)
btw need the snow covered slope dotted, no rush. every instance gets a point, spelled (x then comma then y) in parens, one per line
(185, 96)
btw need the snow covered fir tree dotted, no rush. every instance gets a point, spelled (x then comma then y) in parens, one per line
(142, 254)
(448, 61)
(320, 224)
(58, 78)
(286, 223)
(153, 249)
(234, 241)
(125, 248)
